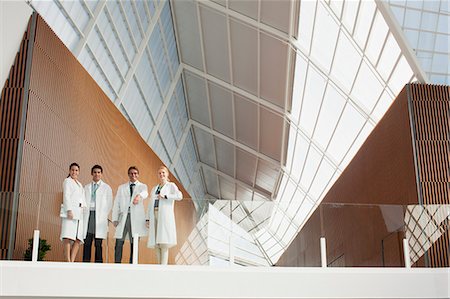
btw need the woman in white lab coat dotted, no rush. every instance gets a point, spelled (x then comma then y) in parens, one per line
(160, 216)
(72, 228)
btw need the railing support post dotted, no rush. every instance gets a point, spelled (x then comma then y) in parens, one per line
(135, 250)
(323, 252)
(406, 255)
(34, 255)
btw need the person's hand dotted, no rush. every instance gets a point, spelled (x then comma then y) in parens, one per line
(69, 214)
(115, 223)
(136, 199)
(147, 223)
(161, 197)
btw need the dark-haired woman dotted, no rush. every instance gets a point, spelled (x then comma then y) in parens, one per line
(72, 213)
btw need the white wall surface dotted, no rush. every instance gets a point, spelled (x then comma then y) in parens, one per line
(14, 17)
(78, 280)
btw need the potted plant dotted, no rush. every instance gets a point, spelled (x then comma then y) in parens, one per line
(43, 248)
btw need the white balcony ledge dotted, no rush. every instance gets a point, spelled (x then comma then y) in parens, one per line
(78, 280)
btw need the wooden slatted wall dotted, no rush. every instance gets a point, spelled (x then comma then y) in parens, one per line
(430, 107)
(10, 119)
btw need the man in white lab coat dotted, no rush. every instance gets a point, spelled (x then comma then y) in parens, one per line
(99, 201)
(128, 214)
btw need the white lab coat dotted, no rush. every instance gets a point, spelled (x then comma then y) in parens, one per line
(122, 202)
(166, 232)
(103, 205)
(73, 200)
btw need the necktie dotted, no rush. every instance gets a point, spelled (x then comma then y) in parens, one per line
(132, 189)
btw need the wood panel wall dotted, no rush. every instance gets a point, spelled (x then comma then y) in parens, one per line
(11, 104)
(70, 119)
(405, 160)
(430, 112)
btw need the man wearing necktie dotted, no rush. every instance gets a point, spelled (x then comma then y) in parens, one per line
(128, 214)
(99, 200)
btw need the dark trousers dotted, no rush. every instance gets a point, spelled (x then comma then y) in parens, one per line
(119, 242)
(88, 248)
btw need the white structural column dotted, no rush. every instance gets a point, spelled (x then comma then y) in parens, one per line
(14, 16)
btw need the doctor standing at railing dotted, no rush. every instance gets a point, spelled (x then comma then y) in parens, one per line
(72, 228)
(128, 213)
(99, 199)
(160, 216)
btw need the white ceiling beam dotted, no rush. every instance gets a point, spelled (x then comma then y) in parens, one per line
(233, 88)
(237, 144)
(230, 178)
(400, 37)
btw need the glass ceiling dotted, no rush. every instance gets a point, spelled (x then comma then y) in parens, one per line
(248, 100)
(426, 28)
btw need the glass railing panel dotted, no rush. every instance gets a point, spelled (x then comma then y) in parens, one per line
(363, 235)
(222, 233)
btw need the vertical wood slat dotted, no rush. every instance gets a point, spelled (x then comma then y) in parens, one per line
(431, 114)
(10, 120)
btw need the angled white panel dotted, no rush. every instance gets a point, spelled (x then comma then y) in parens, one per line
(211, 182)
(367, 88)
(301, 150)
(245, 7)
(301, 66)
(368, 127)
(245, 166)
(266, 176)
(388, 58)
(221, 109)
(306, 24)
(244, 57)
(225, 156)
(188, 32)
(324, 37)
(363, 22)
(400, 76)
(243, 193)
(349, 14)
(205, 146)
(271, 133)
(276, 14)
(312, 163)
(323, 176)
(346, 63)
(246, 113)
(312, 98)
(197, 98)
(376, 39)
(215, 42)
(346, 132)
(332, 106)
(273, 62)
(227, 189)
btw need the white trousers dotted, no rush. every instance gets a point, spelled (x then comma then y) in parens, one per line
(162, 251)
